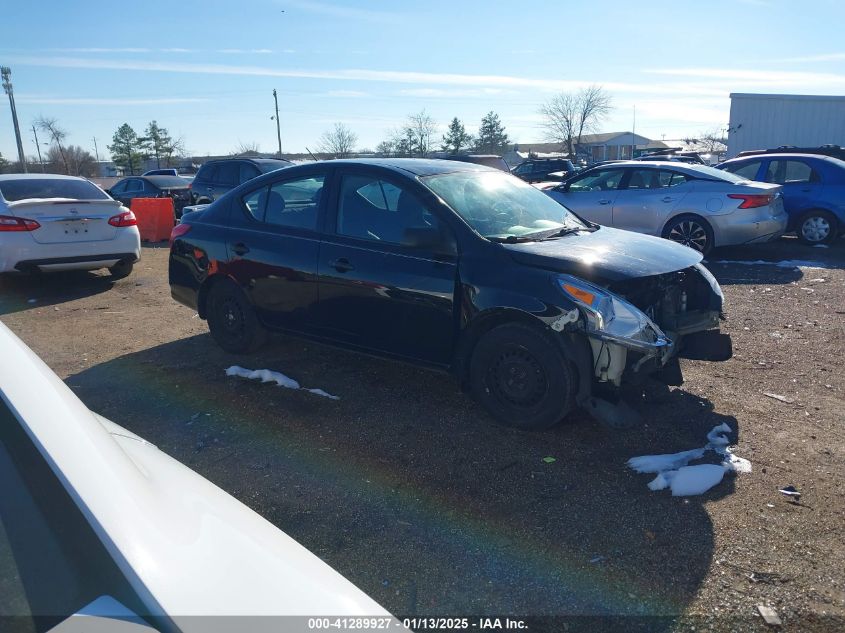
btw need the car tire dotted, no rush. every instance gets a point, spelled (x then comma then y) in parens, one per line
(121, 270)
(232, 320)
(690, 230)
(816, 227)
(519, 374)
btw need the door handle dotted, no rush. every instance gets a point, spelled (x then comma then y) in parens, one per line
(342, 265)
(668, 199)
(240, 249)
(806, 190)
(604, 201)
(209, 188)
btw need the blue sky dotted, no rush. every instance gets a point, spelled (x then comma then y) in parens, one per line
(206, 70)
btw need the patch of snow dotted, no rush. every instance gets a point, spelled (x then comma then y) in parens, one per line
(266, 375)
(674, 472)
(660, 463)
(786, 263)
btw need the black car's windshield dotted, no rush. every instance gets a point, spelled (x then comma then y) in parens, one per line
(498, 205)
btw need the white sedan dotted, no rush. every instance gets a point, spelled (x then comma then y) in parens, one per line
(50, 222)
(97, 523)
(698, 206)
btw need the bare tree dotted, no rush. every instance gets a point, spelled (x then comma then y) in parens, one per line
(568, 116)
(56, 133)
(79, 161)
(250, 147)
(339, 141)
(418, 131)
(712, 142)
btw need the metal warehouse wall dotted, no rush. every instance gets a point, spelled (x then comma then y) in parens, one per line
(764, 121)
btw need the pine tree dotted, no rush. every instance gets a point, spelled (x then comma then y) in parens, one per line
(456, 139)
(158, 143)
(492, 138)
(126, 149)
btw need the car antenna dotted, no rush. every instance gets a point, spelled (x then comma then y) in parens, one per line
(312, 155)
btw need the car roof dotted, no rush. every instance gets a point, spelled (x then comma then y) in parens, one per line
(692, 169)
(157, 178)
(781, 155)
(415, 166)
(4, 177)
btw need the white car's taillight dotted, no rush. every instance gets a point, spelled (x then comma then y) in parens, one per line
(10, 223)
(127, 218)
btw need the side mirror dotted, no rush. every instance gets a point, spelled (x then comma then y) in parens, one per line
(431, 240)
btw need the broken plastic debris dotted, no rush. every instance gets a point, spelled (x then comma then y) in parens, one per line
(791, 492)
(266, 375)
(549, 460)
(777, 396)
(769, 615)
(673, 471)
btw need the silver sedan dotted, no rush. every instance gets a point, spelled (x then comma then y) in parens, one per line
(698, 206)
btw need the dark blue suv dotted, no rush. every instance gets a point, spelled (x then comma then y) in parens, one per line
(813, 190)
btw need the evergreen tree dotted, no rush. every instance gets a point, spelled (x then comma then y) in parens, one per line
(127, 149)
(158, 143)
(456, 139)
(492, 138)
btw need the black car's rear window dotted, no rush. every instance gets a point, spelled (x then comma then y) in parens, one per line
(36, 188)
(168, 181)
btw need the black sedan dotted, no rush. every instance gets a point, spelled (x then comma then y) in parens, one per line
(173, 187)
(453, 266)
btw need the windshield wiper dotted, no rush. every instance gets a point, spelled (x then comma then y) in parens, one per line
(514, 239)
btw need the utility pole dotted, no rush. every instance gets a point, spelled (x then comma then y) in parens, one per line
(278, 126)
(97, 154)
(7, 86)
(38, 149)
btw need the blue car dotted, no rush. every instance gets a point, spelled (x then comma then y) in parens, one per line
(813, 190)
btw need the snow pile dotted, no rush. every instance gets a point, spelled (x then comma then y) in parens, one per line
(673, 472)
(786, 263)
(266, 375)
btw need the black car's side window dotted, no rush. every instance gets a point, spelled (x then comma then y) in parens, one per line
(134, 185)
(292, 203)
(119, 187)
(374, 209)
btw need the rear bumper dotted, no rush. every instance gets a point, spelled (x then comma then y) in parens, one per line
(730, 230)
(81, 262)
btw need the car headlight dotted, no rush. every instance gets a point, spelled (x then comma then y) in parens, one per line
(607, 314)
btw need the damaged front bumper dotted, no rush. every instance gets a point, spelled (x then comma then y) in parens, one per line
(623, 332)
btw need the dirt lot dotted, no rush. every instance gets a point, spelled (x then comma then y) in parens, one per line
(407, 488)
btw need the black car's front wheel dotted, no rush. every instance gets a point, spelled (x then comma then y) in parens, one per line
(690, 230)
(521, 377)
(232, 320)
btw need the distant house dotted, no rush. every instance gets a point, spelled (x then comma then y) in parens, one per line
(592, 148)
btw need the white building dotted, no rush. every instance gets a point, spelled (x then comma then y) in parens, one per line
(761, 121)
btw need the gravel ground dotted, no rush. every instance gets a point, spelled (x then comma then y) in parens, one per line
(407, 488)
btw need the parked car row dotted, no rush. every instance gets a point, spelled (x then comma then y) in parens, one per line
(694, 205)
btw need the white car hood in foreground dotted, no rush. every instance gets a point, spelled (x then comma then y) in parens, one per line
(186, 546)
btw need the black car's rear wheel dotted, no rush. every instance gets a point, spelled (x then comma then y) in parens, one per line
(817, 227)
(232, 320)
(690, 230)
(521, 377)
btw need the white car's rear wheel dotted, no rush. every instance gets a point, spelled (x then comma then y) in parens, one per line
(690, 230)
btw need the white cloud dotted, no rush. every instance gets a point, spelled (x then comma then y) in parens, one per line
(824, 57)
(34, 99)
(346, 93)
(99, 50)
(784, 78)
(244, 51)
